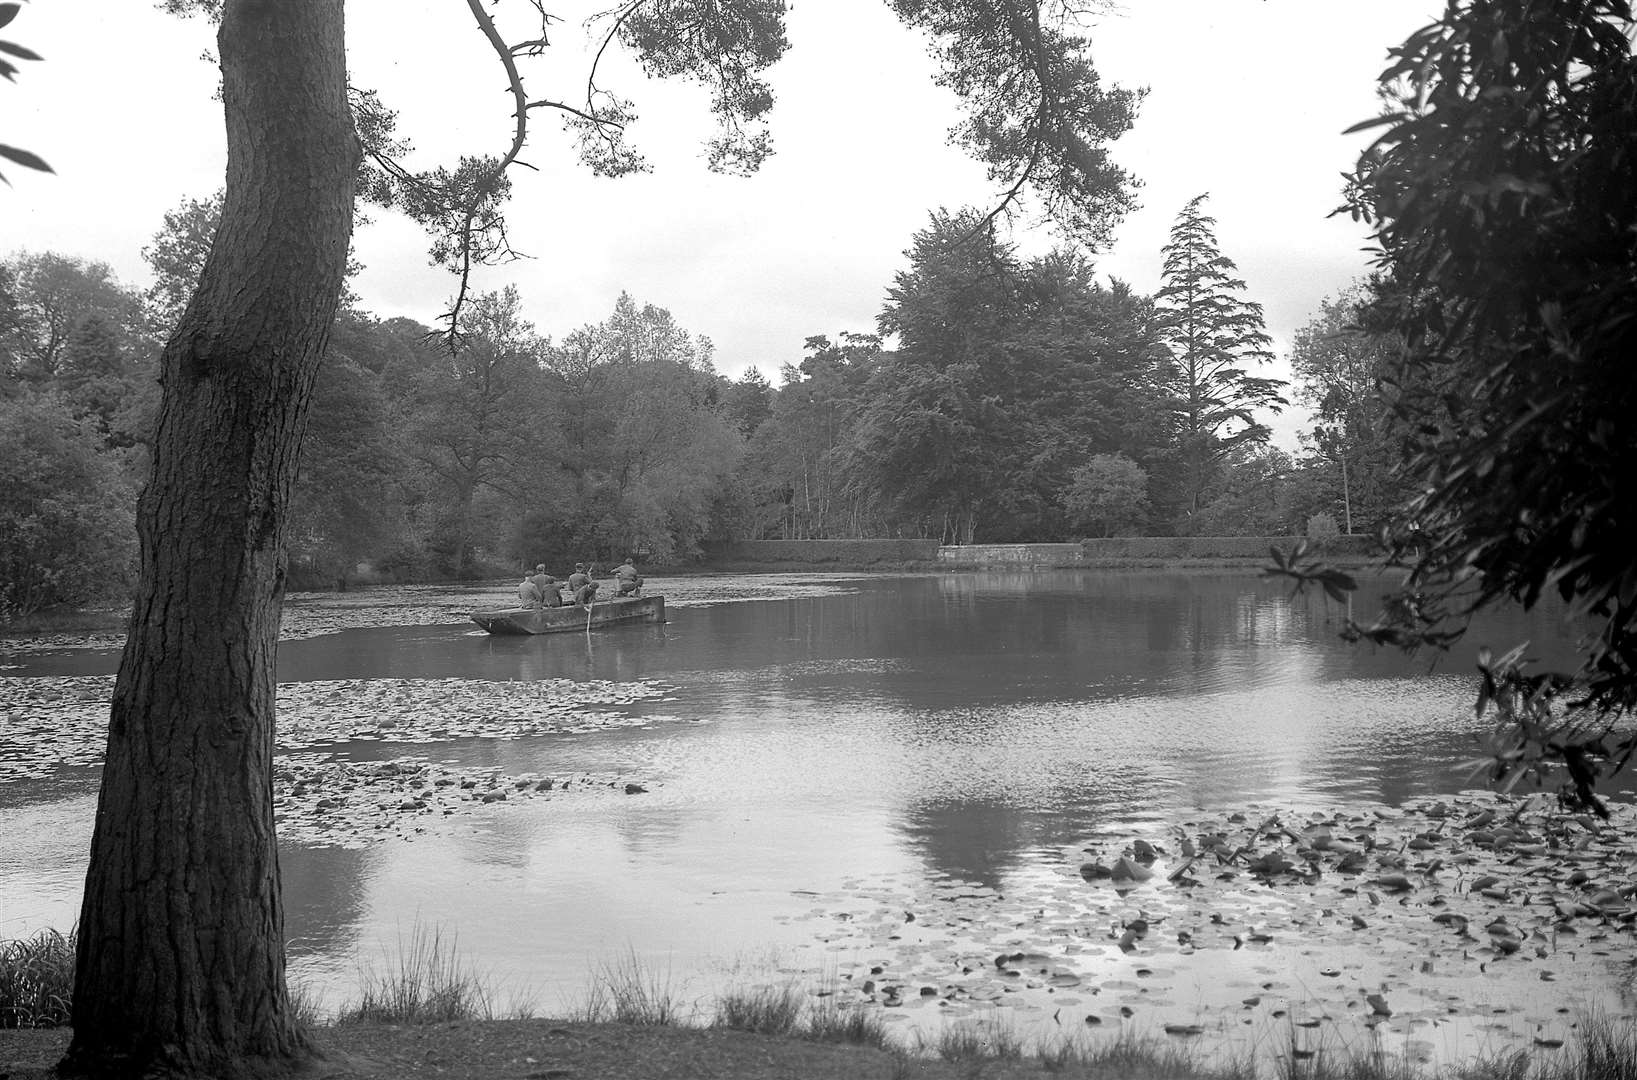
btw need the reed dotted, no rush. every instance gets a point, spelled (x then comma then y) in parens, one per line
(36, 980)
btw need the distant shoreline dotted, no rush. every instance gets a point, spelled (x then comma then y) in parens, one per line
(110, 620)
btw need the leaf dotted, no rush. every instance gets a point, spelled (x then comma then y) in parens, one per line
(1134, 871)
(9, 12)
(1375, 122)
(24, 158)
(18, 51)
(1342, 580)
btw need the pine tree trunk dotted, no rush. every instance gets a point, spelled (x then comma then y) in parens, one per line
(181, 937)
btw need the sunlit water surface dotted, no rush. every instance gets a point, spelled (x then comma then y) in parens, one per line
(886, 742)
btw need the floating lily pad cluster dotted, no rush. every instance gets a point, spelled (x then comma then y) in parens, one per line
(324, 801)
(1448, 926)
(49, 724)
(438, 710)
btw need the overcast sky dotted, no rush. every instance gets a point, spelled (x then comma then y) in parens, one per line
(1246, 100)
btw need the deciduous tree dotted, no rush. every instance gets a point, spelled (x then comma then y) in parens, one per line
(51, 295)
(937, 436)
(1338, 366)
(799, 461)
(65, 528)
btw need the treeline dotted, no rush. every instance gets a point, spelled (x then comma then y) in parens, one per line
(1021, 399)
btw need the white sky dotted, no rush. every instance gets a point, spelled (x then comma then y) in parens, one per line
(1247, 99)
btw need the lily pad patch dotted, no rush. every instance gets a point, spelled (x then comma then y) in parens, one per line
(1443, 916)
(324, 801)
(51, 724)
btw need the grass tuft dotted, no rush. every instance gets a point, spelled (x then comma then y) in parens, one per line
(36, 980)
(983, 1040)
(305, 1007)
(830, 1021)
(426, 983)
(624, 993)
(1607, 1051)
(766, 1010)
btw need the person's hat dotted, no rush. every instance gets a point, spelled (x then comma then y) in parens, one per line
(579, 566)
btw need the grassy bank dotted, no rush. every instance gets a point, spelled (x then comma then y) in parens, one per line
(575, 1050)
(424, 1013)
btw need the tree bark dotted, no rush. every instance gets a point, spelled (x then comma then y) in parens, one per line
(181, 937)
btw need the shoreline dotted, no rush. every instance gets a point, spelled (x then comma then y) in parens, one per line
(107, 621)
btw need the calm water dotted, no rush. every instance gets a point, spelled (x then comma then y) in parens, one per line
(902, 733)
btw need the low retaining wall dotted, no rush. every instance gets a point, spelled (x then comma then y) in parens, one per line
(1117, 551)
(1011, 555)
(1152, 551)
(1355, 546)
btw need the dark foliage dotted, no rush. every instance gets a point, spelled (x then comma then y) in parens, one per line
(1503, 195)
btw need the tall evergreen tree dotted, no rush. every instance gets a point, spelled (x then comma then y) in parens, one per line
(1216, 338)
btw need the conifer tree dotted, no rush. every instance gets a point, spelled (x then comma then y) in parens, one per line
(1216, 339)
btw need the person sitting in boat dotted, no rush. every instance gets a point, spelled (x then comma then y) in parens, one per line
(551, 593)
(529, 594)
(580, 585)
(630, 582)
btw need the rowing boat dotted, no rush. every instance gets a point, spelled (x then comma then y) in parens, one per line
(557, 620)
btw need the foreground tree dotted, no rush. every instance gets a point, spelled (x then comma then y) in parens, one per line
(181, 936)
(1503, 195)
(180, 962)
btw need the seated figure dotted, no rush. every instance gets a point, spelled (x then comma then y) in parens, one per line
(630, 582)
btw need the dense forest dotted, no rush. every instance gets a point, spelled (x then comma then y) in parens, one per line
(998, 398)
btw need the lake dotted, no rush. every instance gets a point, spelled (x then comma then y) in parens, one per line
(882, 778)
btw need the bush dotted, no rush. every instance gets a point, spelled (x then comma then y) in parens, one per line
(1322, 525)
